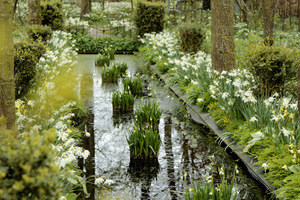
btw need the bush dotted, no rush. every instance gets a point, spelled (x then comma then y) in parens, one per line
(272, 67)
(52, 14)
(26, 56)
(37, 32)
(102, 60)
(86, 43)
(192, 36)
(112, 74)
(149, 17)
(27, 169)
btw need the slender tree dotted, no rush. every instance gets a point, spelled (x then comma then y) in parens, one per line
(268, 15)
(85, 7)
(222, 30)
(7, 88)
(34, 12)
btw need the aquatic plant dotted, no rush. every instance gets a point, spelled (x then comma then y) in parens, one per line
(133, 85)
(122, 101)
(112, 74)
(143, 143)
(207, 189)
(109, 52)
(102, 60)
(148, 115)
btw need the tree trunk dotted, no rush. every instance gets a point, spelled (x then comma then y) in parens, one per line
(85, 7)
(34, 12)
(7, 88)
(222, 28)
(206, 4)
(299, 15)
(268, 15)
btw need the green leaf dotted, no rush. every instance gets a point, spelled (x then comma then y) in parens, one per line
(294, 168)
(71, 196)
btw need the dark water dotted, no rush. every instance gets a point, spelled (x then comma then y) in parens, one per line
(186, 148)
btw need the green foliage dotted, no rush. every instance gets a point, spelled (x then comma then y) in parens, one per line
(192, 36)
(133, 85)
(52, 14)
(272, 67)
(162, 66)
(122, 101)
(27, 169)
(143, 143)
(112, 74)
(86, 43)
(27, 55)
(109, 52)
(207, 189)
(102, 60)
(148, 115)
(149, 17)
(38, 32)
(291, 190)
(147, 55)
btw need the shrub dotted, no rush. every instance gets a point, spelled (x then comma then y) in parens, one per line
(102, 60)
(122, 101)
(149, 17)
(143, 143)
(148, 115)
(86, 43)
(26, 56)
(52, 14)
(109, 52)
(27, 169)
(272, 67)
(192, 36)
(37, 32)
(133, 85)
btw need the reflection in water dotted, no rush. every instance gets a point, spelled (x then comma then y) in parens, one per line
(170, 157)
(87, 93)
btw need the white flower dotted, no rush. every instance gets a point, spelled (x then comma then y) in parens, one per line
(199, 100)
(265, 166)
(99, 181)
(87, 134)
(285, 132)
(30, 103)
(253, 119)
(285, 101)
(109, 182)
(225, 95)
(85, 154)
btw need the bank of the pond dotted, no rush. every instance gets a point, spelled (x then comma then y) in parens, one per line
(186, 148)
(204, 118)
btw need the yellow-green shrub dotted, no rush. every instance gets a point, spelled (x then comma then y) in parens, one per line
(26, 56)
(38, 32)
(27, 169)
(273, 67)
(192, 36)
(149, 17)
(52, 14)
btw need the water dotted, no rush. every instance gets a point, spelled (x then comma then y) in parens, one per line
(186, 150)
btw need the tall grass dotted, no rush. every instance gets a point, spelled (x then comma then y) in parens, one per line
(133, 85)
(122, 101)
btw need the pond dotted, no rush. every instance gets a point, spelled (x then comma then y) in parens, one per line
(187, 151)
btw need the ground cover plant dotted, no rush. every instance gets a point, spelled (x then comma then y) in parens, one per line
(265, 125)
(111, 74)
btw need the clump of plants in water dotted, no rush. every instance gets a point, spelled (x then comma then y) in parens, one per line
(102, 60)
(122, 101)
(208, 190)
(109, 52)
(143, 143)
(144, 140)
(111, 74)
(133, 85)
(148, 115)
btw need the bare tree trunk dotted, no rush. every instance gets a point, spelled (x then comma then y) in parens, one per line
(85, 7)
(222, 25)
(34, 12)
(7, 88)
(243, 8)
(299, 15)
(268, 15)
